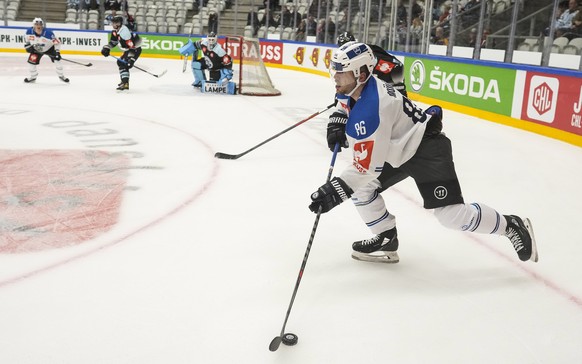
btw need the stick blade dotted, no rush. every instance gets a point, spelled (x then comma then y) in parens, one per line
(88, 64)
(161, 74)
(274, 345)
(220, 155)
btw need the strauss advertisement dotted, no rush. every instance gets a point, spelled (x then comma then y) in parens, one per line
(271, 52)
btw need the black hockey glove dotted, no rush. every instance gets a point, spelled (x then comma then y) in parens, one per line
(130, 62)
(434, 125)
(336, 131)
(105, 51)
(330, 195)
(58, 56)
(29, 48)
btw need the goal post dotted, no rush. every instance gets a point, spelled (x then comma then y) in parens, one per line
(253, 78)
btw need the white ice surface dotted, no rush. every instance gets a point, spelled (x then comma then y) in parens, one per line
(202, 263)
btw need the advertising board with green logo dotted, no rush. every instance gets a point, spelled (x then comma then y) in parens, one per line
(480, 87)
(166, 45)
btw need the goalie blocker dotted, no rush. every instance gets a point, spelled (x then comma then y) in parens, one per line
(219, 88)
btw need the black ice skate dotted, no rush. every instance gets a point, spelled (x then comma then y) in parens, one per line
(29, 80)
(64, 79)
(381, 248)
(123, 86)
(520, 233)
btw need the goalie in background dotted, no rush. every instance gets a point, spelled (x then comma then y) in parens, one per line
(41, 41)
(209, 55)
(130, 43)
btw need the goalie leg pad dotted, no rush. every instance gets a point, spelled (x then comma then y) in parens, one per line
(198, 76)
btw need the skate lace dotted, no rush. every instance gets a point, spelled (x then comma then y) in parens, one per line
(371, 241)
(515, 239)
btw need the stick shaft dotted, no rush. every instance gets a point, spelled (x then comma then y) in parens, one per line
(139, 68)
(237, 156)
(75, 62)
(309, 244)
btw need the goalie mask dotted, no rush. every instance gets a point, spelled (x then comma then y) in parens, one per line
(352, 57)
(211, 38)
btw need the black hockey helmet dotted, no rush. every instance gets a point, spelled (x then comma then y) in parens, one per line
(344, 38)
(117, 20)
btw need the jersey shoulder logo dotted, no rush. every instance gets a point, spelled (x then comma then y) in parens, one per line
(363, 155)
(384, 66)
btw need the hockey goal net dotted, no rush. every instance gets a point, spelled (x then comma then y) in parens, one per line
(253, 78)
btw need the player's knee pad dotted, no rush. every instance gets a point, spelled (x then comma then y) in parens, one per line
(122, 65)
(366, 194)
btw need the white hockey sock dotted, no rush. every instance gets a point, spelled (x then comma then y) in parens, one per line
(33, 71)
(472, 217)
(59, 68)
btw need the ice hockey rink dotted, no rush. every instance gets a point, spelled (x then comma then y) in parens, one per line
(125, 241)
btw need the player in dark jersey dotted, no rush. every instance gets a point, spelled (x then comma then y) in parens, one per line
(130, 43)
(210, 55)
(388, 68)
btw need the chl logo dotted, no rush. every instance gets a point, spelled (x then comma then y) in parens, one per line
(440, 192)
(543, 96)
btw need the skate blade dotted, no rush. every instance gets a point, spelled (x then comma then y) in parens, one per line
(534, 248)
(377, 257)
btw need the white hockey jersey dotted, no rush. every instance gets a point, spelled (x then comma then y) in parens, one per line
(383, 126)
(42, 42)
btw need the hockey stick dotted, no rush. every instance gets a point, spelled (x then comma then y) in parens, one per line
(141, 69)
(186, 57)
(75, 62)
(274, 345)
(237, 156)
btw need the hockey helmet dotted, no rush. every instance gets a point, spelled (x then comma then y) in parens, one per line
(38, 21)
(211, 38)
(353, 57)
(117, 22)
(344, 38)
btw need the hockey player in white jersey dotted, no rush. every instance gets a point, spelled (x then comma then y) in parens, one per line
(391, 139)
(41, 41)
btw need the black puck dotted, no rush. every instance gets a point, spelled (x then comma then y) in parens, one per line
(289, 339)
